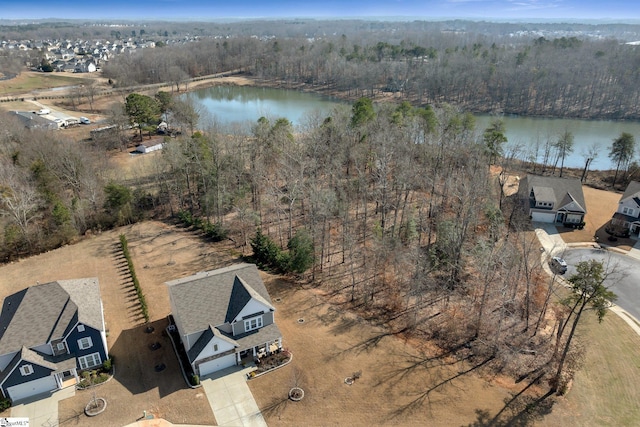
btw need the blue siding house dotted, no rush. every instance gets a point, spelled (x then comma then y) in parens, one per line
(49, 333)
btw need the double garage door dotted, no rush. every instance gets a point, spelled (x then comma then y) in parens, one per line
(543, 216)
(214, 365)
(32, 388)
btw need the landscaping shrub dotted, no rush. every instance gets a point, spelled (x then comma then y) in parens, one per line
(267, 254)
(134, 278)
(214, 231)
(4, 404)
(107, 365)
(195, 380)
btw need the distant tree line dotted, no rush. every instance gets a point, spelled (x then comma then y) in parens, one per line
(561, 77)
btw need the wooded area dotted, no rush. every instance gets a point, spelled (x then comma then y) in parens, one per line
(479, 72)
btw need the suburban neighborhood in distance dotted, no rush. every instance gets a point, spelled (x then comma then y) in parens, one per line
(367, 216)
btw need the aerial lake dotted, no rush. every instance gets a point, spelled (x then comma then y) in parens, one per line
(246, 104)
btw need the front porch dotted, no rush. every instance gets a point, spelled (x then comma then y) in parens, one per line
(258, 352)
(67, 378)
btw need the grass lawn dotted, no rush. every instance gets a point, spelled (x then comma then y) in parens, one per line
(606, 391)
(29, 81)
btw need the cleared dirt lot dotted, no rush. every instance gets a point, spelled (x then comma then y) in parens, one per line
(331, 344)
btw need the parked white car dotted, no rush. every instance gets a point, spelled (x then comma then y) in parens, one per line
(558, 265)
(84, 121)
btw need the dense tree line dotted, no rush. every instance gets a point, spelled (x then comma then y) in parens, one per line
(53, 190)
(561, 76)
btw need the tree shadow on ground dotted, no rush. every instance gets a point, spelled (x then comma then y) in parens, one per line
(275, 407)
(144, 360)
(519, 411)
(441, 379)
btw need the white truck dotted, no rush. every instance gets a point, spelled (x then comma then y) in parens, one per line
(43, 111)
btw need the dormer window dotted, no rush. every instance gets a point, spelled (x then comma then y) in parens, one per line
(627, 211)
(254, 323)
(26, 370)
(80, 328)
(60, 346)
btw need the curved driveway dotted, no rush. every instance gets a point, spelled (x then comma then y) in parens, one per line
(624, 279)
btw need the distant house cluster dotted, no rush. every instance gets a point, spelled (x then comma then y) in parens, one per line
(80, 56)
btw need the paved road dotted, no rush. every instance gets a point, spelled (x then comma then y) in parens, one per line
(624, 281)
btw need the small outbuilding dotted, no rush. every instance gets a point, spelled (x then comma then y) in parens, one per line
(147, 147)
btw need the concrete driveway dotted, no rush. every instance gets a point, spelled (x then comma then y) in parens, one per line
(231, 400)
(43, 411)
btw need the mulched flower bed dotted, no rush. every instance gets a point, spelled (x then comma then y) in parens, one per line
(273, 361)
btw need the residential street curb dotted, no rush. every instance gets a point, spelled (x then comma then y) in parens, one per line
(552, 246)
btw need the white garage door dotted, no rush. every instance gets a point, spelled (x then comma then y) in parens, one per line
(543, 217)
(32, 388)
(216, 364)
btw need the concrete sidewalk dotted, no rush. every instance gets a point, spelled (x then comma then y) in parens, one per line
(231, 400)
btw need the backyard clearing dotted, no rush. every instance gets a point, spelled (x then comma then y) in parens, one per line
(328, 344)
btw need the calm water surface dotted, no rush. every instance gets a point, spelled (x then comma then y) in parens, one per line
(246, 104)
(527, 132)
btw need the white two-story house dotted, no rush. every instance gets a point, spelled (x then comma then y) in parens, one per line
(223, 316)
(553, 200)
(627, 215)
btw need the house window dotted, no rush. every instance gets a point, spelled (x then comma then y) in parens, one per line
(26, 370)
(251, 324)
(84, 343)
(89, 361)
(60, 346)
(627, 211)
(80, 328)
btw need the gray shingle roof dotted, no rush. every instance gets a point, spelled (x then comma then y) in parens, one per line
(252, 339)
(561, 188)
(205, 338)
(632, 189)
(38, 314)
(61, 363)
(209, 298)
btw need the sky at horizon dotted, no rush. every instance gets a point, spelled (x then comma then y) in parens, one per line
(204, 10)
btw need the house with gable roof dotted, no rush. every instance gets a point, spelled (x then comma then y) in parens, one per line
(49, 333)
(553, 200)
(224, 316)
(627, 215)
